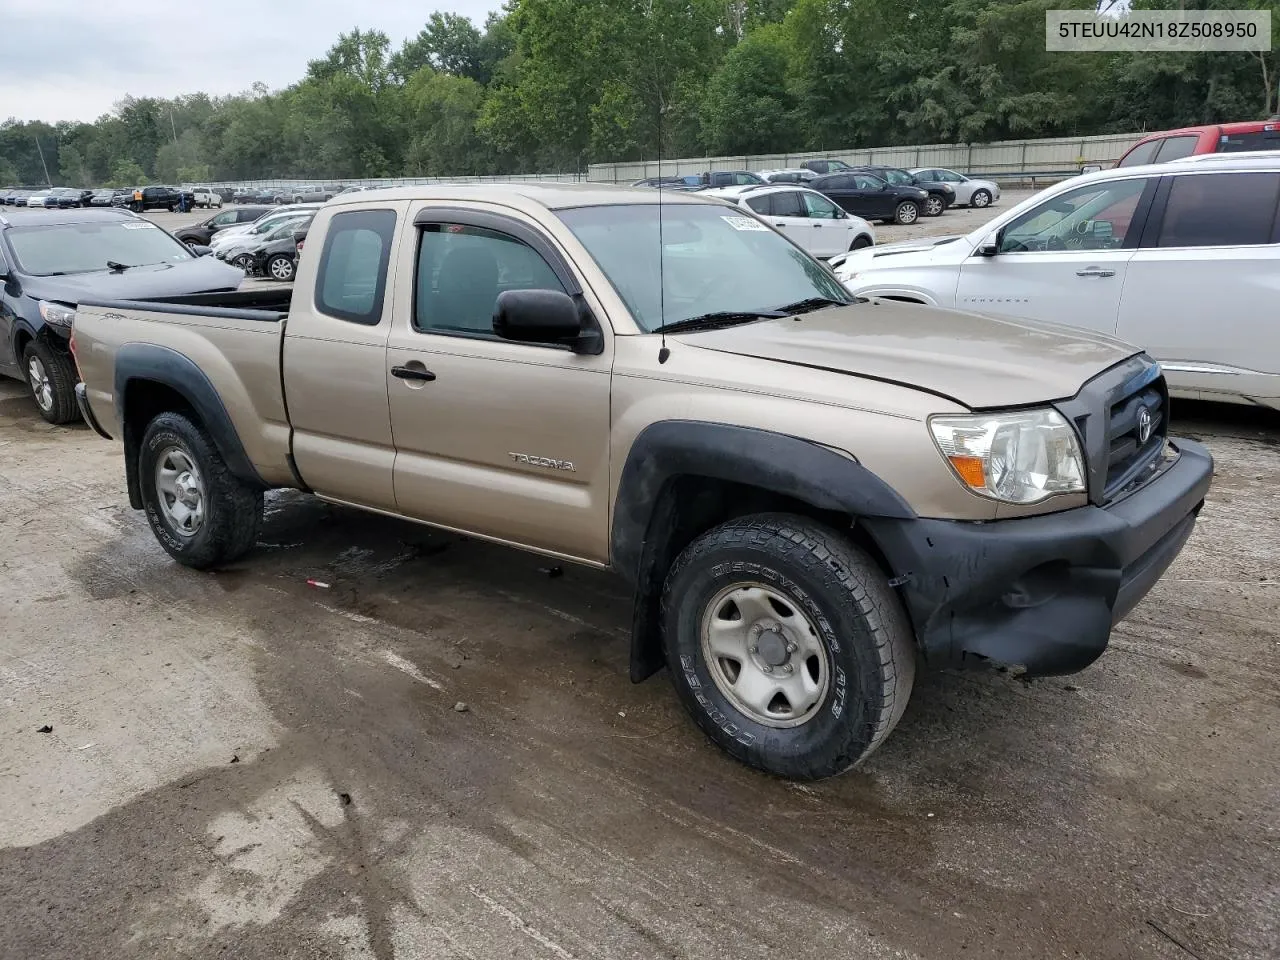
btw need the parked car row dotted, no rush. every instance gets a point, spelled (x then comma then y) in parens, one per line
(51, 198)
(883, 193)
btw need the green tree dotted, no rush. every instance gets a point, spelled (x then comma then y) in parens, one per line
(127, 173)
(748, 107)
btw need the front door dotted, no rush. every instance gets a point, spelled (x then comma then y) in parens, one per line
(828, 228)
(505, 440)
(1064, 260)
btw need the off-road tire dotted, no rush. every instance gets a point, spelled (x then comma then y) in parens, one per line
(907, 212)
(980, 199)
(61, 373)
(233, 508)
(861, 625)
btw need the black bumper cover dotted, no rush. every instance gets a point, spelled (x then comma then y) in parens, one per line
(1043, 592)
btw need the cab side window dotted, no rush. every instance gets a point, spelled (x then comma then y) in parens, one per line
(461, 271)
(1143, 153)
(1220, 210)
(353, 265)
(1175, 148)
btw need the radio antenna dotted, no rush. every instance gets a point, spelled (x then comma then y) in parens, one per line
(663, 352)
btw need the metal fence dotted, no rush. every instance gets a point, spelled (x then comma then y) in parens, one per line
(1002, 160)
(1007, 160)
(294, 183)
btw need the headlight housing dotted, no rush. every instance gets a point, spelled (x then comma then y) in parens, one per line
(1021, 457)
(57, 314)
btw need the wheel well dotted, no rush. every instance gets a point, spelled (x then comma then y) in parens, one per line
(687, 507)
(20, 341)
(900, 299)
(144, 400)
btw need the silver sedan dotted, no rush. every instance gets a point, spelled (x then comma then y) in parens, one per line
(969, 192)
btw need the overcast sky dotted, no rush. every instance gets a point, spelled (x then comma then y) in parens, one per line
(73, 59)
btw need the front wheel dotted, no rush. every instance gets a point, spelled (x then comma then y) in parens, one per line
(51, 378)
(200, 512)
(861, 242)
(907, 212)
(787, 645)
(933, 206)
(980, 199)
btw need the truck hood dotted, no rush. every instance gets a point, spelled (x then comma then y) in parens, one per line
(200, 275)
(976, 360)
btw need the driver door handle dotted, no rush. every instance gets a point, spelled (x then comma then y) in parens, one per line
(1095, 272)
(413, 373)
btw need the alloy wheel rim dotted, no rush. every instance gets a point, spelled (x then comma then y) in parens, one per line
(41, 385)
(281, 269)
(180, 491)
(764, 655)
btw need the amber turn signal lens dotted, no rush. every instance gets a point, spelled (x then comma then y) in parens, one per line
(970, 470)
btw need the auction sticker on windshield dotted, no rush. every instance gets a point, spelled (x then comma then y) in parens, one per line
(745, 223)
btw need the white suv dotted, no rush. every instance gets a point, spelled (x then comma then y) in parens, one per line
(811, 220)
(1180, 259)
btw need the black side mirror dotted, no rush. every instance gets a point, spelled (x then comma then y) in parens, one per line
(545, 316)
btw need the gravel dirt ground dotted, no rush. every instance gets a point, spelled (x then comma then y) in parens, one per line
(242, 765)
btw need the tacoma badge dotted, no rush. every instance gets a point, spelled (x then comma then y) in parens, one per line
(543, 462)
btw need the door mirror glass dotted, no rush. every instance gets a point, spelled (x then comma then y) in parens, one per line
(991, 245)
(537, 316)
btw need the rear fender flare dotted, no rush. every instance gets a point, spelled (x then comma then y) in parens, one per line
(138, 364)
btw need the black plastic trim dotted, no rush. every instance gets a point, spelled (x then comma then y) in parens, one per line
(86, 411)
(647, 528)
(147, 362)
(1042, 592)
(189, 306)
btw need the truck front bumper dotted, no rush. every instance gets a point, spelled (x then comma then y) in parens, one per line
(1043, 592)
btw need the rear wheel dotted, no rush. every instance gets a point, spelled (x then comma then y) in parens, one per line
(51, 377)
(280, 267)
(980, 198)
(200, 512)
(787, 645)
(907, 212)
(933, 206)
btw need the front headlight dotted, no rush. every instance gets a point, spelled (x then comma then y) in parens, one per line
(1022, 457)
(57, 314)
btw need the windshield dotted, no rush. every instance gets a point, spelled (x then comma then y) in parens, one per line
(714, 261)
(53, 249)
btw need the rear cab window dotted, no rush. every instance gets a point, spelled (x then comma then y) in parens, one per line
(352, 278)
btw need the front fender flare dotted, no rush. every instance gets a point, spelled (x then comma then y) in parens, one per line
(644, 538)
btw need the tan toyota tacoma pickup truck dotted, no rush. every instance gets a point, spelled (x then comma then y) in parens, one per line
(808, 494)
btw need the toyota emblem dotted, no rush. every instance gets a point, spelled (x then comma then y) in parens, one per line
(1145, 425)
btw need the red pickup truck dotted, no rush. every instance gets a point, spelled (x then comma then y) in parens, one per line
(1215, 138)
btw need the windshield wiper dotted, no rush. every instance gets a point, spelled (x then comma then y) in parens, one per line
(809, 305)
(722, 318)
(115, 267)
